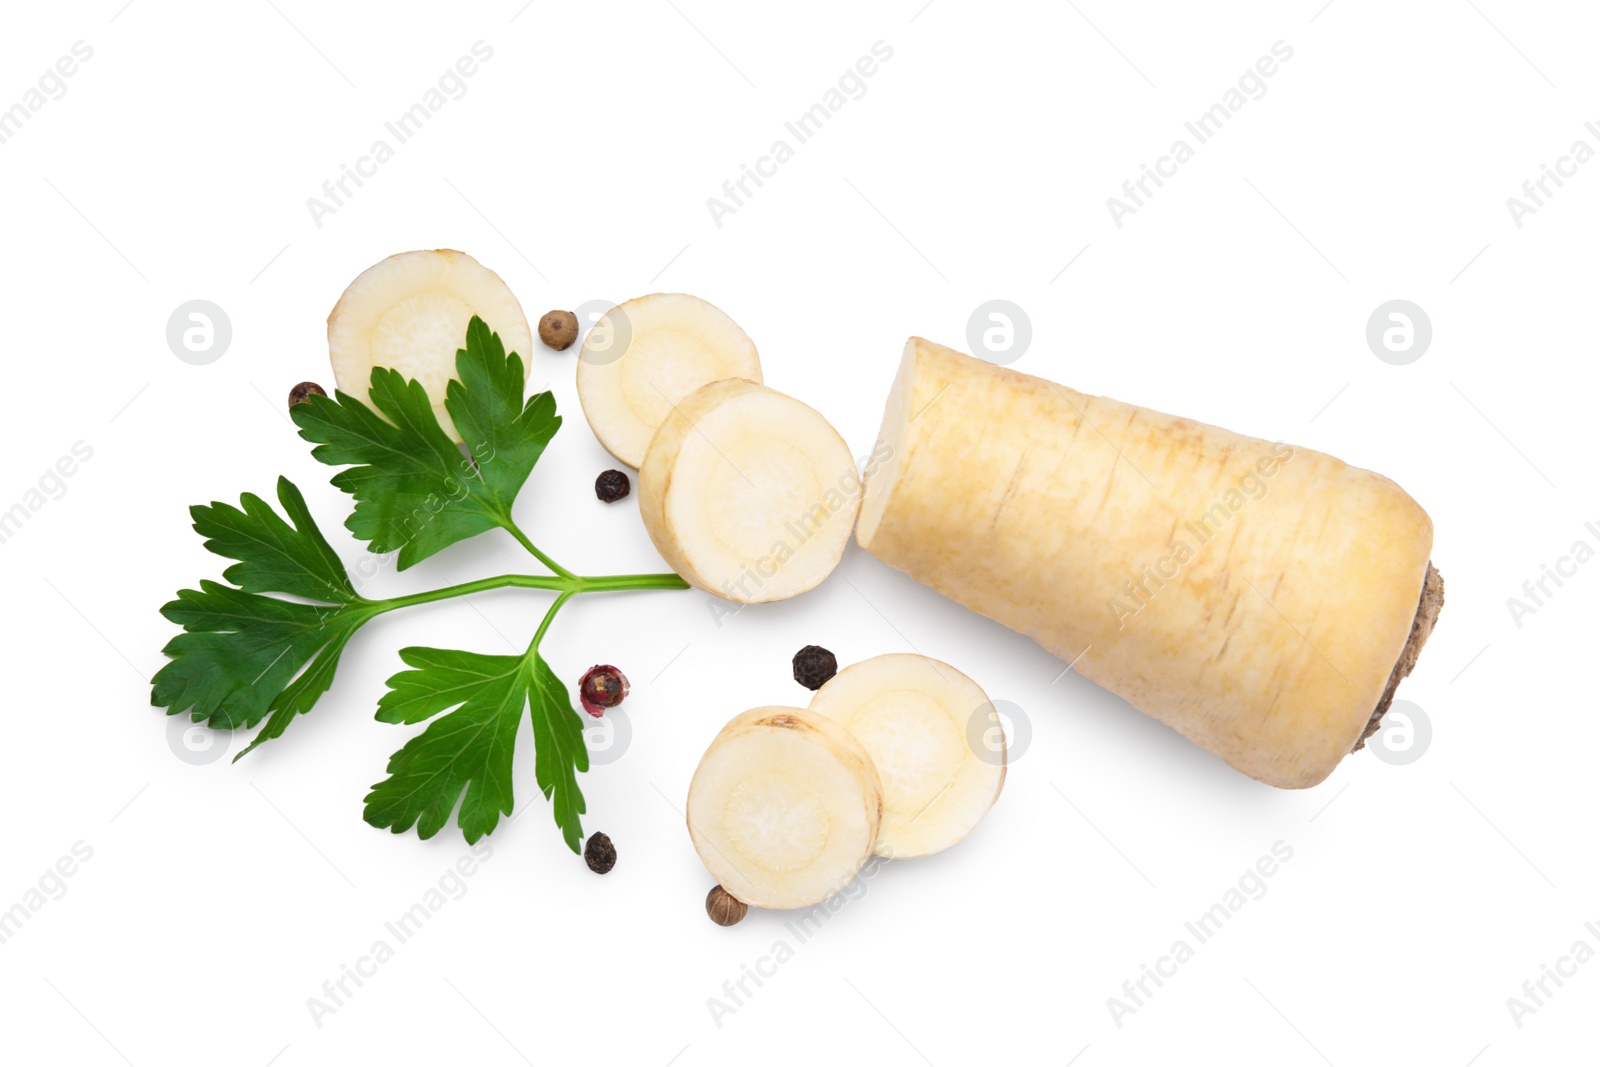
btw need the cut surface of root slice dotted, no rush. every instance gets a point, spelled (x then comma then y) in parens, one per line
(410, 312)
(647, 354)
(935, 739)
(749, 493)
(784, 808)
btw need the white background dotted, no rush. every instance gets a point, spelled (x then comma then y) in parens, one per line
(220, 897)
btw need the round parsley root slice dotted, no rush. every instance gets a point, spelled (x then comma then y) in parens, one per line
(647, 354)
(920, 721)
(749, 493)
(784, 808)
(410, 312)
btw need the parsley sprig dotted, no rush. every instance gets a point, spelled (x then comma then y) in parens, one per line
(247, 655)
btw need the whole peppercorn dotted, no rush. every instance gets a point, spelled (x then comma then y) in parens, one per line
(813, 666)
(558, 329)
(724, 908)
(601, 687)
(600, 854)
(303, 392)
(611, 486)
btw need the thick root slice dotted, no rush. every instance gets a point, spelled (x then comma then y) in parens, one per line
(1254, 596)
(749, 493)
(410, 312)
(647, 354)
(784, 808)
(927, 728)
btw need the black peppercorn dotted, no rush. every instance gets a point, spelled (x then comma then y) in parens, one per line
(611, 486)
(600, 854)
(813, 666)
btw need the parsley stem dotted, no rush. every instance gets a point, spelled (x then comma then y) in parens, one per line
(620, 582)
(482, 585)
(522, 539)
(567, 586)
(544, 624)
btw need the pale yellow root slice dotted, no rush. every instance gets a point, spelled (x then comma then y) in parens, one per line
(923, 723)
(748, 493)
(647, 354)
(410, 312)
(784, 807)
(1254, 596)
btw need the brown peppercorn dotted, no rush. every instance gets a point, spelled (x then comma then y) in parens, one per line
(612, 486)
(600, 854)
(724, 908)
(558, 329)
(813, 666)
(303, 392)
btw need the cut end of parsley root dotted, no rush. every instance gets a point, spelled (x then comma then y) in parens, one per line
(408, 313)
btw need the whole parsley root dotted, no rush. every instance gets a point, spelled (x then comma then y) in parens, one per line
(1254, 596)
(249, 658)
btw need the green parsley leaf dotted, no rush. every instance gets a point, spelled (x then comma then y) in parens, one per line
(245, 654)
(415, 491)
(470, 748)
